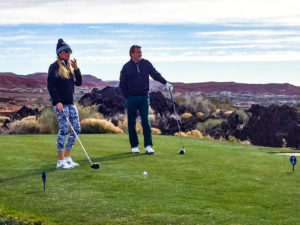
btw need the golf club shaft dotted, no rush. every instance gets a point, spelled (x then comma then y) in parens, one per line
(176, 115)
(78, 138)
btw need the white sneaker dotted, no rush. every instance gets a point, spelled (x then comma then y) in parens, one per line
(70, 162)
(63, 165)
(135, 150)
(149, 150)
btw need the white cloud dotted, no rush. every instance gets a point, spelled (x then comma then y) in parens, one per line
(150, 11)
(15, 38)
(234, 33)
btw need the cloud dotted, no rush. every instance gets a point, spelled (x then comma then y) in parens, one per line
(150, 11)
(240, 33)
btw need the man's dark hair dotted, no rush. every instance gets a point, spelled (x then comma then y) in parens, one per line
(132, 48)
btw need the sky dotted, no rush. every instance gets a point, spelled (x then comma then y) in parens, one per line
(243, 41)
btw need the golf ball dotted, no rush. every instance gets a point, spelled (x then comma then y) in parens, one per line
(145, 173)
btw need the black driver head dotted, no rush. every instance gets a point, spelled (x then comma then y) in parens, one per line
(181, 152)
(95, 166)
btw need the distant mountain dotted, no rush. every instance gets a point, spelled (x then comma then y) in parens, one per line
(39, 80)
(217, 87)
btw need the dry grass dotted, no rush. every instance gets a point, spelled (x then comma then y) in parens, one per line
(227, 113)
(200, 114)
(29, 118)
(85, 112)
(27, 125)
(190, 134)
(152, 118)
(4, 118)
(123, 125)
(182, 134)
(138, 127)
(186, 115)
(100, 126)
(155, 131)
(48, 121)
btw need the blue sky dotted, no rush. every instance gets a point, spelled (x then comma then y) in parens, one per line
(187, 41)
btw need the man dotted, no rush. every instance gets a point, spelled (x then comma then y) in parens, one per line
(134, 82)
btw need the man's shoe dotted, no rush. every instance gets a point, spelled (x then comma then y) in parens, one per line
(149, 150)
(135, 150)
(63, 165)
(70, 162)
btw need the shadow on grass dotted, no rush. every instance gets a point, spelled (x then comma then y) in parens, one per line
(47, 169)
(52, 167)
(117, 156)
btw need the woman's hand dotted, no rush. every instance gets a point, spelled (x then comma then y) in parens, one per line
(74, 64)
(59, 107)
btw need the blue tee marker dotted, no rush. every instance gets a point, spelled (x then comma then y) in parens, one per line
(293, 160)
(44, 179)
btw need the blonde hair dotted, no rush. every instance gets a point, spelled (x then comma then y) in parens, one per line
(63, 72)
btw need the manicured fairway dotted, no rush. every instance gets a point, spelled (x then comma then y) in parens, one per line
(213, 183)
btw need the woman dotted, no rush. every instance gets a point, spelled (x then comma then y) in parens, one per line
(62, 76)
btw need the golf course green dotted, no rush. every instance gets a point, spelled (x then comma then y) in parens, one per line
(215, 182)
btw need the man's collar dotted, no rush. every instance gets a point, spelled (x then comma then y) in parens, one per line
(136, 62)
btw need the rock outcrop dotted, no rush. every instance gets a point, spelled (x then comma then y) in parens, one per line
(273, 126)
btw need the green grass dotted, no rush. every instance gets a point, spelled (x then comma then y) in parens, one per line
(214, 183)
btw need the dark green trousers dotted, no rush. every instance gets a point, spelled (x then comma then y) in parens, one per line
(139, 104)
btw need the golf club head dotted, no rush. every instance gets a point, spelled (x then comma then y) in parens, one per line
(95, 166)
(181, 152)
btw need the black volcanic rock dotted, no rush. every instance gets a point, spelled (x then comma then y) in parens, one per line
(24, 112)
(273, 126)
(162, 105)
(233, 125)
(109, 100)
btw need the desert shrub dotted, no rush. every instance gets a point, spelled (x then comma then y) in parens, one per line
(182, 134)
(155, 131)
(242, 115)
(194, 134)
(186, 115)
(99, 126)
(152, 118)
(227, 113)
(29, 118)
(208, 124)
(4, 118)
(151, 111)
(138, 127)
(48, 121)
(190, 134)
(199, 104)
(85, 112)
(223, 104)
(123, 125)
(200, 115)
(29, 126)
(232, 139)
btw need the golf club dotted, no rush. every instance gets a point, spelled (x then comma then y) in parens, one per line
(182, 151)
(93, 165)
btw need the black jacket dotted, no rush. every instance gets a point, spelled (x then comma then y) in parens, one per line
(62, 90)
(136, 83)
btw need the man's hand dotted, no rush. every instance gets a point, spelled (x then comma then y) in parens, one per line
(59, 107)
(169, 87)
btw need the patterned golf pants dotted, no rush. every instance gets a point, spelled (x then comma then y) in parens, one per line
(72, 113)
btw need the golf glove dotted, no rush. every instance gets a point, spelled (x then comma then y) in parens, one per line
(169, 87)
